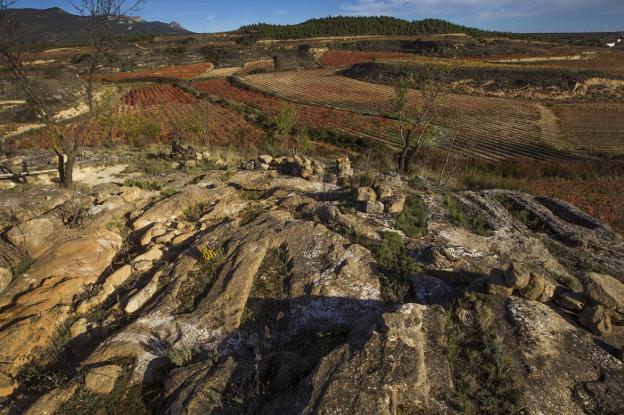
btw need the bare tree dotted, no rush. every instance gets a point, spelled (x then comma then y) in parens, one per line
(101, 16)
(11, 52)
(418, 120)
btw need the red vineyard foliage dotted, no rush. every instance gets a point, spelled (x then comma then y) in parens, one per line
(171, 72)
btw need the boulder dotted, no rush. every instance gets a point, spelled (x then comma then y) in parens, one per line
(365, 194)
(517, 275)
(50, 403)
(31, 235)
(384, 191)
(265, 158)
(535, 288)
(596, 319)
(101, 380)
(428, 289)
(109, 286)
(570, 300)
(395, 204)
(374, 207)
(605, 290)
(497, 284)
(141, 298)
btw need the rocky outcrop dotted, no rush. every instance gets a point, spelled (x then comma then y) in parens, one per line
(36, 304)
(279, 289)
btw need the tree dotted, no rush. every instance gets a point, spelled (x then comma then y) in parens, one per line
(418, 120)
(101, 17)
(11, 51)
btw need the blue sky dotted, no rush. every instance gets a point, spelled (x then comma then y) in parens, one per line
(506, 15)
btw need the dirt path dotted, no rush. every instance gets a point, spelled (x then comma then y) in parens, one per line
(551, 133)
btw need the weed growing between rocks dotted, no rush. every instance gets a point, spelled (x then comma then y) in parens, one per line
(179, 355)
(396, 264)
(198, 282)
(143, 184)
(486, 378)
(123, 399)
(194, 212)
(474, 222)
(412, 221)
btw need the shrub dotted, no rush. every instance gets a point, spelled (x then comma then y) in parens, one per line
(413, 220)
(180, 355)
(472, 221)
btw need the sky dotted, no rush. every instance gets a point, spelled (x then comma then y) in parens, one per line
(503, 15)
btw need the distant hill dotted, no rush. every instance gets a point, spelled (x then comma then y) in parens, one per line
(353, 25)
(58, 27)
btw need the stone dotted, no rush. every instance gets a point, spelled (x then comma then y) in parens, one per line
(50, 403)
(157, 230)
(153, 255)
(570, 300)
(109, 286)
(517, 275)
(31, 234)
(365, 194)
(182, 238)
(141, 298)
(534, 289)
(549, 291)
(384, 191)
(596, 319)
(428, 289)
(6, 276)
(497, 284)
(265, 158)
(395, 204)
(78, 328)
(101, 380)
(7, 385)
(46, 294)
(605, 290)
(374, 207)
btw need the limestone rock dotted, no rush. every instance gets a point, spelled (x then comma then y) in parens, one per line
(143, 296)
(113, 281)
(535, 288)
(366, 194)
(101, 380)
(31, 234)
(6, 276)
(605, 290)
(7, 385)
(49, 403)
(517, 275)
(596, 319)
(497, 284)
(428, 289)
(384, 191)
(36, 303)
(395, 204)
(374, 207)
(570, 300)
(265, 158)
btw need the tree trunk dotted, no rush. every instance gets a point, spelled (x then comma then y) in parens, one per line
(90, 89)
(68, 170)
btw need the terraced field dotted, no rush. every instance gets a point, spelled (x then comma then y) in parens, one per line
(597, 128)
(168, 73)
(489, 128)
(371, 127)
(335, 58)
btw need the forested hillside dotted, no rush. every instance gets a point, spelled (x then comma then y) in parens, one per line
(351, 25)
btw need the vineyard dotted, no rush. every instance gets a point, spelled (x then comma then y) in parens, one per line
(267, 64)
(169, 73)
(595, 128)
(488, 128)
(225, 72)
(371, 127)
(348, 58)
(159, 113)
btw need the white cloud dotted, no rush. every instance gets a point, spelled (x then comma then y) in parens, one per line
(282, 12)
(209, 18)
(483, 9)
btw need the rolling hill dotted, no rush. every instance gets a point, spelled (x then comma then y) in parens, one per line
(55, 26)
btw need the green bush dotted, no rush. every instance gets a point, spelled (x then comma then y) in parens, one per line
(413, 220)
